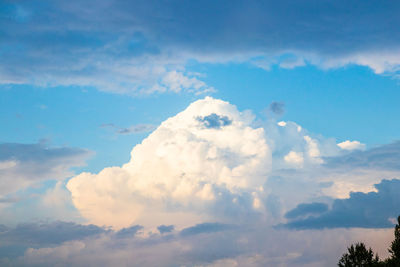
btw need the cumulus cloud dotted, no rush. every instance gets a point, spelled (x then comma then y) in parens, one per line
(295, 158)
(119, 47)
(199, 157)
(22, 165)
(294, 147)
(206, 188)
(211, 163)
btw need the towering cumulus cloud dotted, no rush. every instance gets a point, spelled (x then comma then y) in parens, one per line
(204, 156)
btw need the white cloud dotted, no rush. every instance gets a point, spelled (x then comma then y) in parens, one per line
(210, 163)
(295, 158)
(207, 163)
(351, 145)
(282, 123)
(7, 164)
(313, 150)
(178, 169)
(177, 81)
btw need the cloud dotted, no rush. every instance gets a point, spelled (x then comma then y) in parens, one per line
(351, 145)
(214, 121)
(22, 165)
(277, 108)
(144, 47)
(139, 128)
(211, 163)
(306, 209)
(205, 228)
(165, 228)
(177, 81)
(43, 234)
(128, 232)
(368, 210)
(294, 158)
(382, 157)
(251, 245)
(180, 171)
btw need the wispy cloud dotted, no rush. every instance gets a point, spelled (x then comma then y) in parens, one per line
(22, 165)
(139, 128)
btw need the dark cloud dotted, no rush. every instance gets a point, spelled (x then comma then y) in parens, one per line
(205, 228)
(366, 210)
(15, 240)
(250, 245)
(165, 228)
(128, 232)
(9, 199)
(95, 42)
(214, 121)
(34, 234)
(277, 108)
(384, 157)
(3, 228)
(306, 209)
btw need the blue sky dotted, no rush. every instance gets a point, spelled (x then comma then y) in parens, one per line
(304, 95)
(344, 103)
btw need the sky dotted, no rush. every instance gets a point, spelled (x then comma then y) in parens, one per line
(197, 133)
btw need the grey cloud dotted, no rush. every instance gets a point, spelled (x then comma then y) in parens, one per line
(385, 157)
(3, 228)
(15, 240)
(307, 209)
(128, 232)
(119, 46)
(38, 152)
(34, 234)
(24, 164)
(214, 121)
(251, 245)
(205, 228)
(9, 199)
(277, 107)
(367, 210)
(21, 165)
(165, 228)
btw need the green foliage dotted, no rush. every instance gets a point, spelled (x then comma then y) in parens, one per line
(394, 250)
(359, 256)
